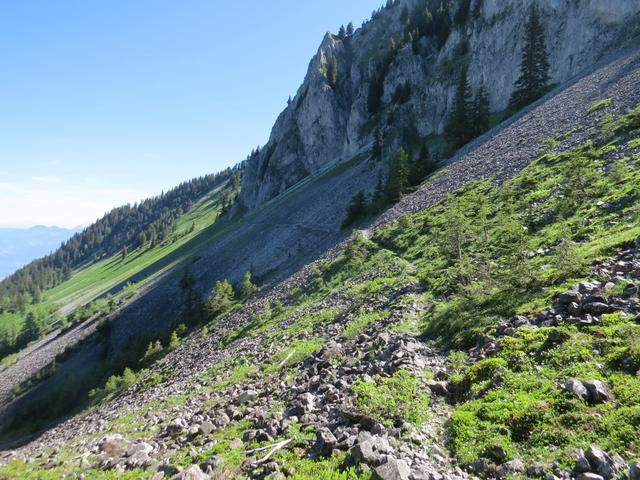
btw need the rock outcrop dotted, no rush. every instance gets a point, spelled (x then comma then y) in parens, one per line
(356, 86)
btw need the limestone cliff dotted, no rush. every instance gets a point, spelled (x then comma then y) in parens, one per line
(388, 77)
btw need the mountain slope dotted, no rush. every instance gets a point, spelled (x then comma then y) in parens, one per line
(284, 369)
(396, 77)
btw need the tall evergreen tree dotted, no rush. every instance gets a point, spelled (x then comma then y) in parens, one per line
(350, 29)
(356, 209)
(534, 66)
(459, 130)
(422, 167)
(31, 330)
(481, 111)
(379, 199)
(342, 33)
(248, 287)
(398, 175)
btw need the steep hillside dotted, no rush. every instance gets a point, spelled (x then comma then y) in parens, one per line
(395, 77)
(485, 325)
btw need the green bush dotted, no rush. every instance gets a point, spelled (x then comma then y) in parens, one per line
(394, 399)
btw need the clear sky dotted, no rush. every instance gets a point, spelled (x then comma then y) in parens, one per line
(107, 102)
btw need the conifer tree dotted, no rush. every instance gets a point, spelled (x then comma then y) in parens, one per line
(481, 111)
(350, 29)
(248, 287)
(398, 175)
(356, 209)
(379, 199)
(31, 330)
(458, 130)
(221, 299)
(342, 33)
(422, 167)
(534, 66)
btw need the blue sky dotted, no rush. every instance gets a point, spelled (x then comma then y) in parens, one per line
(104, 103)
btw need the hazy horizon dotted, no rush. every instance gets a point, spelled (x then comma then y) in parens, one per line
(109, 104)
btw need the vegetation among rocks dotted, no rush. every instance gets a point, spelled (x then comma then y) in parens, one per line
(538, 368)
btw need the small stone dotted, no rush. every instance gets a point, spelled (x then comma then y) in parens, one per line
(325, 442)
(599, 391)
(569, 297)
(192, 473)
(510, 467)
(246, 397)
(236, 443)
(590, 476)
(392, 470)
(595, 308)
(498, 452)
(438, 388)
(597, 459)
(577, 388)
(582, 464)
(206, 428)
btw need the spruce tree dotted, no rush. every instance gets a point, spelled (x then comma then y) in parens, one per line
(379, 199)
(350, 29)
(248, 287)
(459, 129)
(398, 175)
(342, 33)
(31, 330)
(533, 81)
(422, 167)
(356, 209)
(481, 111)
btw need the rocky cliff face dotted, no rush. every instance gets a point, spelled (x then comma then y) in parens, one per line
(390, 79)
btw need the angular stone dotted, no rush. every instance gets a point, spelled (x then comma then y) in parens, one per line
(206, 428)
(191, 473)
(510, 467)
(599, 391)
(438, 387)
(114, 445)
(634, 471)
(595, 308)
(325, 442)
(566, 298)
(138, 459)
(393, 469)
(577, 388)
(246, 397)
(582, 464)
(599, 461)
(331, 350)
(365, 450)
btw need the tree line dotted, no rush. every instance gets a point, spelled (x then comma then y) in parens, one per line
(122, 229)
(470, 116)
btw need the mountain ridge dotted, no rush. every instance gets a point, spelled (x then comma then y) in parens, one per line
(378, 307)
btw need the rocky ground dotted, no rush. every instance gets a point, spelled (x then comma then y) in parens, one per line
(317, 391)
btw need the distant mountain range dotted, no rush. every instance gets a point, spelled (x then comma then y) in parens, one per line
(20, 246)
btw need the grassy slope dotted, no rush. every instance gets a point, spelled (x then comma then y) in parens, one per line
(471, 254)
(111, 275)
